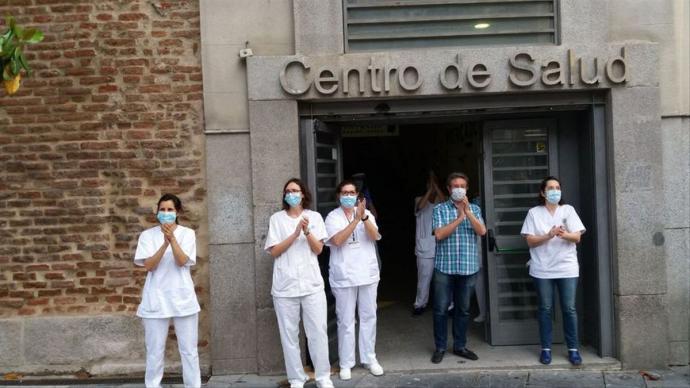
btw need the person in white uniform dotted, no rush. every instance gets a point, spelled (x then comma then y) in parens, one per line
(295, 237)
(354, 277)
(425, 242)
(168, 251)
(552, 231)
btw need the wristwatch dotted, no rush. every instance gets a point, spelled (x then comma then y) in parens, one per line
(306, 233)
(365, 218)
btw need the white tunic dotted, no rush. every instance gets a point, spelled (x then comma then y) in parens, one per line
(169, 290)
(425, 242)
(295, 272)
(556, 258)
(353, 263)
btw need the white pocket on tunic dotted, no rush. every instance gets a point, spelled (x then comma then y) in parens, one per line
(151, 301)
(182, 298)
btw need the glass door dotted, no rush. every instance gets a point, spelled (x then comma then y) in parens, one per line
(518, 154)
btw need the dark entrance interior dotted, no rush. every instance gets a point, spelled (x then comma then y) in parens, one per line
(397, 154)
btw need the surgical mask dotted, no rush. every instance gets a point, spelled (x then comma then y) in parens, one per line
(553, 196)
(348, 201)
(293, 199)
(166, 217)
(458, 193)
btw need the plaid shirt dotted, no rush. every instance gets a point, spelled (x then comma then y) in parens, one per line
(457, 254)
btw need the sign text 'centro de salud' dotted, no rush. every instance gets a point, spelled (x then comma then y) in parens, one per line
(524, 72)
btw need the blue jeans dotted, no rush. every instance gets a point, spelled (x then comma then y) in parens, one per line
(460, 288)
(567, 288)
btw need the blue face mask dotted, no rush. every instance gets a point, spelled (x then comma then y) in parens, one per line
(293, 199)
(348, 201)
(167, 217)
(553, 196)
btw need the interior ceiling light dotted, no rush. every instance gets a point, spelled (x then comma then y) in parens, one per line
(481, 26)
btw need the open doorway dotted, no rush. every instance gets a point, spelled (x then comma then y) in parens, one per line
(396, 156)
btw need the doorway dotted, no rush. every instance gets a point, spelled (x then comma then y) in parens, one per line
(396, 155)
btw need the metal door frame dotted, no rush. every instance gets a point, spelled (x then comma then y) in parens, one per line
(435, 109)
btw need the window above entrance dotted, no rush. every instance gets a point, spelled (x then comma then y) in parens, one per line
(380, 25)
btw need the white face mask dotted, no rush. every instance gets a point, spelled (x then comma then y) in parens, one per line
(458, 193)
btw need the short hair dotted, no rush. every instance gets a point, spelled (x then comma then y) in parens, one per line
(343, 184)
(306, 194)
(455, 175)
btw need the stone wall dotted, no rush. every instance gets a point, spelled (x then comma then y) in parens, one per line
(110, 120)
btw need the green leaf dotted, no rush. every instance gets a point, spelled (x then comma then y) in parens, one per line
(9, 21)
(6, 73)
(24, 64)
(32, 35)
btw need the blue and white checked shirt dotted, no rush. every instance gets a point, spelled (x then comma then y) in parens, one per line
(457, 254)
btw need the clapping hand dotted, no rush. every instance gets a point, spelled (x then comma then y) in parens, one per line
(361, 208)
(168, 232)
(304, 224)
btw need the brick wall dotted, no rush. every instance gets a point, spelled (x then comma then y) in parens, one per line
(110, 119)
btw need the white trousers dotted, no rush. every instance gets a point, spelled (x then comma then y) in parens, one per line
(314, 315)
(364, 299)
(425, 271)
(156, 332)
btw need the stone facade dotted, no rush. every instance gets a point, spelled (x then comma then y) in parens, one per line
(110, 120)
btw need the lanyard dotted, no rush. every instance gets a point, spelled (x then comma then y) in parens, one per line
(354, 232)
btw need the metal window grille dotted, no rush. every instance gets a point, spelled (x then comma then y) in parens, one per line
(379, 25)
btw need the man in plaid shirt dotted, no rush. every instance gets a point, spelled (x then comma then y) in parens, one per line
(456, 224)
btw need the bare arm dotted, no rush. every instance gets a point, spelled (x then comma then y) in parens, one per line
(534, 241)
(443, 232)
(283, 246)
(152, 262)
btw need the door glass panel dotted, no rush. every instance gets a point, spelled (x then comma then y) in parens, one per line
(518, 159)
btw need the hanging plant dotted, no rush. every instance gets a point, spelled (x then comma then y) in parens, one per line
(12, 59)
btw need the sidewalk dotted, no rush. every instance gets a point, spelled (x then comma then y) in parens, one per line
(566, 378)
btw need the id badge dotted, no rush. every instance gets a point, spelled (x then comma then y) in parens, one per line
(353, 245)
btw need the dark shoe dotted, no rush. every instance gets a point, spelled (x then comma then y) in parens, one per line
(465, 353)
(437, 357)
(418, 311)
(545, 357)
(574, 357)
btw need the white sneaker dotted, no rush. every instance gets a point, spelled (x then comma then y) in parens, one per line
(325, 383)
(375, 368)
(345, 373)
(296, 385)
(479, 319)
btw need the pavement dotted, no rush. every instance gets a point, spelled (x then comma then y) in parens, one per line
(675, 377)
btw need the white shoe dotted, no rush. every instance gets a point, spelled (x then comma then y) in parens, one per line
(325, 383)
(345, 373)
(296, 385)
(479, 319)
(375, 368)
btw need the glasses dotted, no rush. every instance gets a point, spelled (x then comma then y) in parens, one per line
(348, 193)
(292, 191)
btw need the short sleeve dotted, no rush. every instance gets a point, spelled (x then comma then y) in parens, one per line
(477, 212)
(573, 222)
(145, 249)
(333, 226)
(529, 227)
(319, 228)
(372, 219)
(436, 219)
(273, 237)
(188, 246)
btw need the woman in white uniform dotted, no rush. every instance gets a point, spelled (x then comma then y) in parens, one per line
(425, 242)
(167, 251)
(295, 237)
(354, 277)
(552, 231)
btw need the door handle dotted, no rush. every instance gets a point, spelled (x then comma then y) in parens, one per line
(492, 240)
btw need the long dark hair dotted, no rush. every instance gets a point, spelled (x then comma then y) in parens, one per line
(306, 194)
(542, 187)
(175, 200)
